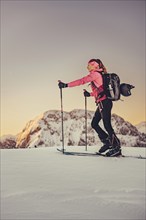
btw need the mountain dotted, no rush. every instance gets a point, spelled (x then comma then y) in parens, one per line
(141, 127)
(45, 131)
(8, 141)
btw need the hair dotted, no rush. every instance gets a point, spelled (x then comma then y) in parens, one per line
(100, 64)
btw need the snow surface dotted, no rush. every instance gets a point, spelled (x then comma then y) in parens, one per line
(42, 183)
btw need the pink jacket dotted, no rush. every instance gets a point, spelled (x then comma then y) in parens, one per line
(96, 86)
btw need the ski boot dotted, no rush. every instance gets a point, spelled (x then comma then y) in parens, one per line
(106, 146)
(114, 152)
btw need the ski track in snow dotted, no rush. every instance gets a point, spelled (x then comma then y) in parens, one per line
(45, 184)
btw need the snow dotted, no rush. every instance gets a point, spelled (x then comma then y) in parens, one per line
(42, 183)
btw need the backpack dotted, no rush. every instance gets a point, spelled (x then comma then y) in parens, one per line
(112, 87)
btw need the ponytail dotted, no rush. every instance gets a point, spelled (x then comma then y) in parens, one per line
(104, 69)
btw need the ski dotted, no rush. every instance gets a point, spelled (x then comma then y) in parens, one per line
(126, 156)
(61, 150)
(96, 154)
(77, 153)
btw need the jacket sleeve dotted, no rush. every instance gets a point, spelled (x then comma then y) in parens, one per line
(81, 81)
(91, 93)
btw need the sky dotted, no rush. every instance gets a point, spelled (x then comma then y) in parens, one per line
(46, 41)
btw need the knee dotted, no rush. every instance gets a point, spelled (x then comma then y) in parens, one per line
(93, 124)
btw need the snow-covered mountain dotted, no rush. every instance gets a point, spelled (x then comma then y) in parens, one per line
(141, 127)
(45, 131)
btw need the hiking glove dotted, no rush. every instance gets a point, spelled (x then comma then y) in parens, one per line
(62, 85)
(86, 94)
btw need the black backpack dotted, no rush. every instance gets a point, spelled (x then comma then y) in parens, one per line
(112, 87)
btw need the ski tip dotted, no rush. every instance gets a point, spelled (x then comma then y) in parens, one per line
(61, 150)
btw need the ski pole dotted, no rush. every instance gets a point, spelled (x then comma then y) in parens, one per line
(85, 123)
(62, 120)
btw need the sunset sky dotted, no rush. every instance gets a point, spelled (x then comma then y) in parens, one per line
(46, 41)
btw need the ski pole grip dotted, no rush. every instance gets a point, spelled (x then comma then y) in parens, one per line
(58, 83)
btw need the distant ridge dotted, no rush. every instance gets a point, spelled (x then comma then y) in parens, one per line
(141, 127)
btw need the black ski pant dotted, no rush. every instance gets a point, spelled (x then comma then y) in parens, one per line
(104, 112)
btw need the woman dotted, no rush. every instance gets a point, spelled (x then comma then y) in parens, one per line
(108, 138)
